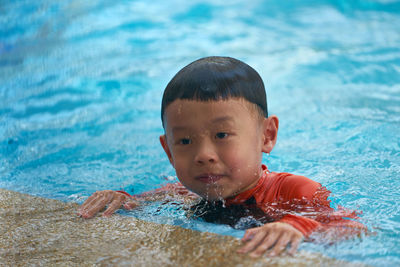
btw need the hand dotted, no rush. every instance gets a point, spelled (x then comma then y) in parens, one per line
(100, 199)
(274, 236)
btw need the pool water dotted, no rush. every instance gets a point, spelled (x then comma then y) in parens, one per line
(81, 84)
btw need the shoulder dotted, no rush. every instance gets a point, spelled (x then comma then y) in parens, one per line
(296, 186)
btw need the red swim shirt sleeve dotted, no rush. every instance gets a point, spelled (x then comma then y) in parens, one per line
(309, 208)
(298, 187)
(298, 193)
(125, 193)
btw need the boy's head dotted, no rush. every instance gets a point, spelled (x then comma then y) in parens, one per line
(214, 113)
(216, 78)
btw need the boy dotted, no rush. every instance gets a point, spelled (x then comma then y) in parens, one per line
(214, 113)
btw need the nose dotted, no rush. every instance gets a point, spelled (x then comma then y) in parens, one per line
(206, 153)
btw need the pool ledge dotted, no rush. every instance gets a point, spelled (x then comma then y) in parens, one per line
(46, 232)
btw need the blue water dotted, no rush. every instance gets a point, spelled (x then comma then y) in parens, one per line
(81, 84)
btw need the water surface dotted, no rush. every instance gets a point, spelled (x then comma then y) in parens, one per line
(81, 85)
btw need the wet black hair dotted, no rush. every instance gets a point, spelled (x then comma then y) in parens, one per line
(215, 78)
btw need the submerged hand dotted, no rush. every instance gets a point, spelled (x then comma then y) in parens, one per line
(274, 236)
(100, 199)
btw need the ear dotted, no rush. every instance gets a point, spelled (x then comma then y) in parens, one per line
(164, 144)
(271, 125)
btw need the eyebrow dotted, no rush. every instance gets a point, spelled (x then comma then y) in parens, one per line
(178, 128)
(222, 119)
(214, 121)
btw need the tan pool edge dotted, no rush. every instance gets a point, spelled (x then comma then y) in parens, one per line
(46, 232)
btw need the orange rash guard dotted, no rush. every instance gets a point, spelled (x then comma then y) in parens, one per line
(291, 199)
(298, 201)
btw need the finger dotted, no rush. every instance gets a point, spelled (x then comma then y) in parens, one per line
(258, 237)
(89, 204)
(131, 204)
(86, 203)
(97, 205)
(267, 243)
(114, 205)
(249, 234)
(95, 198)
(294, 245)
(280, 245)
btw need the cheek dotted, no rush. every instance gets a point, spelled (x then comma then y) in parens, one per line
(235, 157)
(180, 165)
(243, 157)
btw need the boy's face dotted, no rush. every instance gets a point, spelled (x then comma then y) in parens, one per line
(216, 146)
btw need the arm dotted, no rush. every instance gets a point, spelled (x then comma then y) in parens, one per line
(306, 207)
(303, 208)
(114, 200)
(310, 211)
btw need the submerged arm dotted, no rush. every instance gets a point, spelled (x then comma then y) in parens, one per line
(313, 213)
(303, 208)
(114, 200)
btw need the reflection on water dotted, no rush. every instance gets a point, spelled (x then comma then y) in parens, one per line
(81, 84)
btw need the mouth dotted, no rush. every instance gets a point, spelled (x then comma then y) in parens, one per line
(209, 178)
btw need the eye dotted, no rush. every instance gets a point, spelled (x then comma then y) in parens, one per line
(221, 135)
(185, 141)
